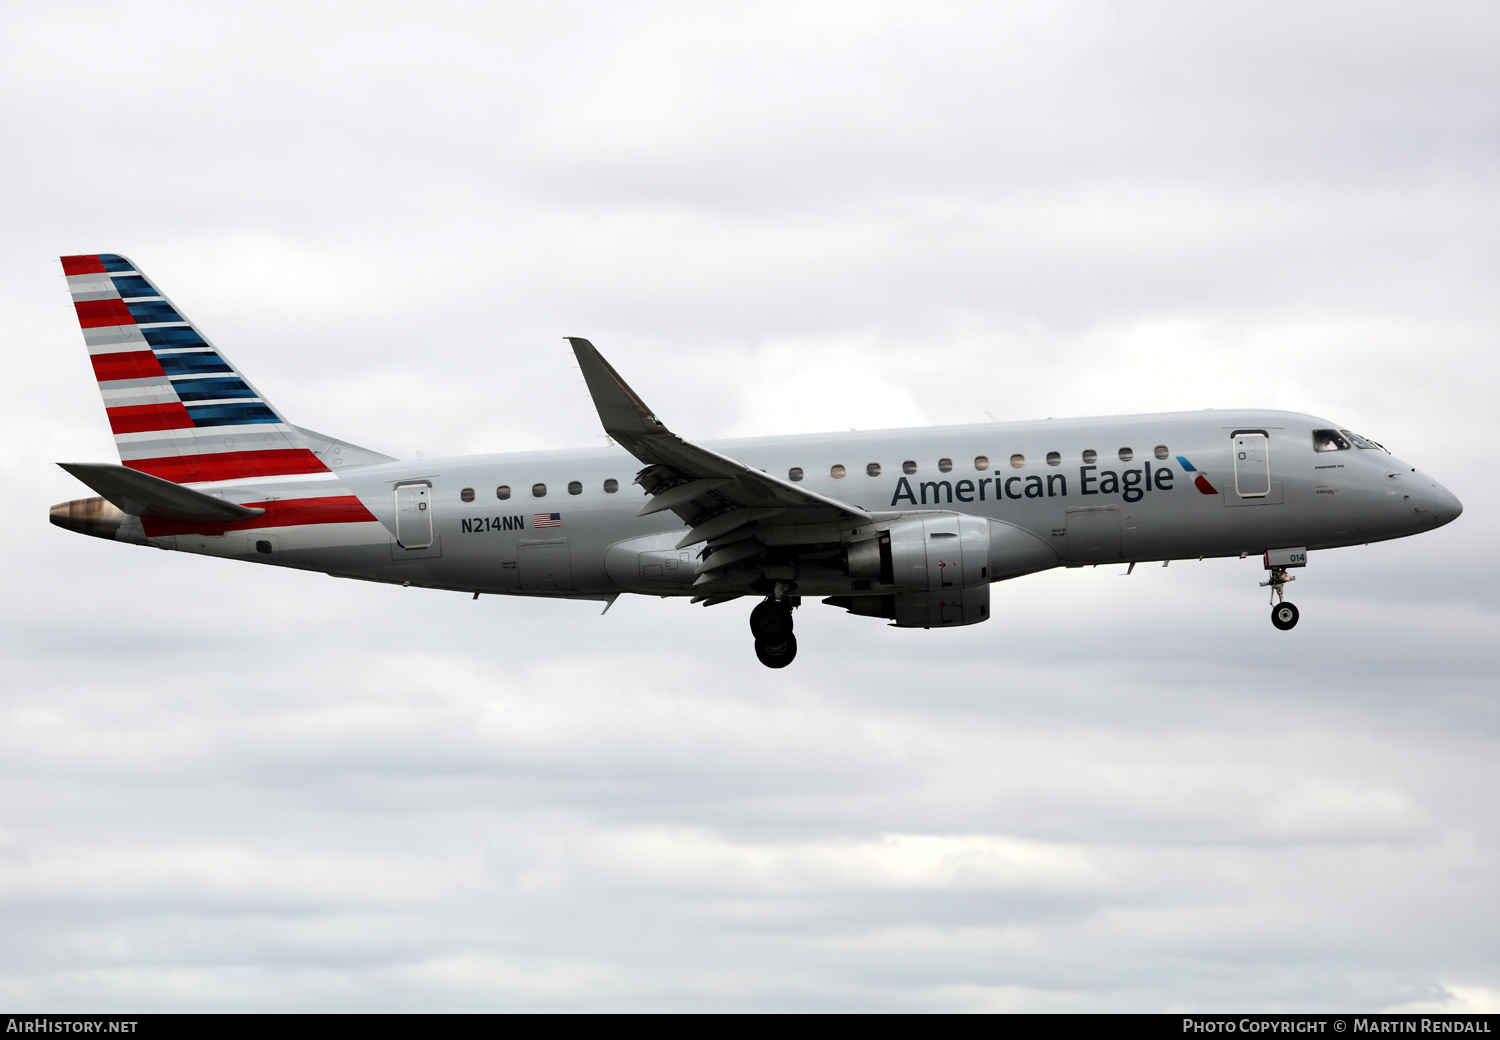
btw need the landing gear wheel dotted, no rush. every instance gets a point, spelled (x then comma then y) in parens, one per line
(770, 620)
(1284, 616)
(776, 652)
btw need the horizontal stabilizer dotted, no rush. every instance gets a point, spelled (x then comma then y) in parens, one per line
(141, 494)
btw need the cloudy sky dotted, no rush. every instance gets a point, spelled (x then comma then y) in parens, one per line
(232, 787)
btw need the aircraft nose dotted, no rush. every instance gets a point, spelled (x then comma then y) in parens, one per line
(1444, 505)
(1450, 502)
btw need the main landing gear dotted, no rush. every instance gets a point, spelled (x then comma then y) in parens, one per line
(771, 621)
(1283, 615)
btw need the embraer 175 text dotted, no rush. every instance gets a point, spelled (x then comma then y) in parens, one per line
(909, 525)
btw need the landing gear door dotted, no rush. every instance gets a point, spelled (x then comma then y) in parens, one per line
(545, 565)
(414, 516)
(1093, 534)
(1252, 465)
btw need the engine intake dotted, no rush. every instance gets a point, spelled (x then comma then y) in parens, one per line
(940, 552)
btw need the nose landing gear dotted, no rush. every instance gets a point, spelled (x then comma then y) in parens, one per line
(771, 622)
(1283, 615)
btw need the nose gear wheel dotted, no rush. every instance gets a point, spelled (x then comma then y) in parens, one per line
(1284, 615)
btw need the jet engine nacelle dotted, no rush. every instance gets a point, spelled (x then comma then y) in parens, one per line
(943, 609)
(948, 551)
(929, 554)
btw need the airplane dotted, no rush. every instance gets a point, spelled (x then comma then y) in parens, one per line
(909, 525)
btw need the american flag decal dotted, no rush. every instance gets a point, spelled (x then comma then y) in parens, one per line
(547, 520)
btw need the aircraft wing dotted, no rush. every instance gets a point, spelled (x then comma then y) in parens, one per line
(725, 501)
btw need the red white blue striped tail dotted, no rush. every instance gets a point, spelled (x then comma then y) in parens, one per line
(179, 410)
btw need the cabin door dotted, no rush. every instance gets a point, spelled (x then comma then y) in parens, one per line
(1252, 465)
(414, 516)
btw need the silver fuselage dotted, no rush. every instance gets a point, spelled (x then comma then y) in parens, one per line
(599, 547)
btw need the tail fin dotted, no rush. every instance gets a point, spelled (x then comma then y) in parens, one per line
(178, 408)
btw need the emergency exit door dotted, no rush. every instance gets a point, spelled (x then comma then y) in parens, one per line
(1252, 465)
(414, 516)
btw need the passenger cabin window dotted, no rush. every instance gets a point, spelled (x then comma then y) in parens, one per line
(908, 467)
(502, 492)
(1090, 457)
(873, 469)
(611, 486)
(1361, 442)
(981, 462)
(575, 487)
(1162, 452)
(539, 491)
(837, 472)
(467, 494)
(1329, 440)
(1054, 458)
(1018, 462)
(794, 474)
(1126, 454)
(945, 465)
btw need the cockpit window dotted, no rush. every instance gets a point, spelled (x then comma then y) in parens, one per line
(1329, 440)
(1362, 442)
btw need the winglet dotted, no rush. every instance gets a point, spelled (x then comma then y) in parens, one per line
(753, 493)
(621, 410)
